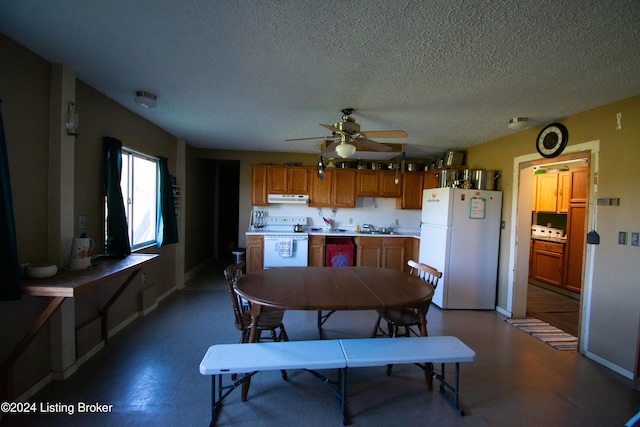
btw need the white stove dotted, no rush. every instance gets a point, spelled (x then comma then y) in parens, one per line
(284, 247)
(285, 225)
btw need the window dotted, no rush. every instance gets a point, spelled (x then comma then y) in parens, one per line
(139, 183)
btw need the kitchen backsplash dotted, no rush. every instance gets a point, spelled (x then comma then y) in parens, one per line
(556, 220)
(380, 212)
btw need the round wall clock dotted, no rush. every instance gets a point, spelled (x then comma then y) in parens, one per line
(552, 140)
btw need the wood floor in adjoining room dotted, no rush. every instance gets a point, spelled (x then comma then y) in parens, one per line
(556, 309)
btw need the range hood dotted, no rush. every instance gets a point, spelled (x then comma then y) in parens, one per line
(300, 199)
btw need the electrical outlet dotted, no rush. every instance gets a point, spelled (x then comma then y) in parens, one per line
(82, 221)
(397, 221)
(622, 237)
(144, 278)
(635, 238)
(350, 220)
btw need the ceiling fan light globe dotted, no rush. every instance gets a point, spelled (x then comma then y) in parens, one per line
(345, 150)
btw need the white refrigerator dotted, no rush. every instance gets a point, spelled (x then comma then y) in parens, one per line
(459, 236)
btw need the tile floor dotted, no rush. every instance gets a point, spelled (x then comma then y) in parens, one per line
(149, 373)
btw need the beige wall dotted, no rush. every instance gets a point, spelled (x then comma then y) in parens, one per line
(612, 296)
(26, 87)
(248, 158)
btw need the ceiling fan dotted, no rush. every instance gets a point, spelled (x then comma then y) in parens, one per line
(347, 133)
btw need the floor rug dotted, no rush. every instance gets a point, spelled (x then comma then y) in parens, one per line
(546, 333)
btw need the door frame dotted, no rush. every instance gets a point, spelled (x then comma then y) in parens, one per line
(518, 276)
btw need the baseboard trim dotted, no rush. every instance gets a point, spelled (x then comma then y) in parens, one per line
(615, 368)
(504, 312)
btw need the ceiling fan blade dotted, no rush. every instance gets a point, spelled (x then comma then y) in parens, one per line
(331, 147)
(332, 129)
(384, 134)
(376, 146)
(317, 137)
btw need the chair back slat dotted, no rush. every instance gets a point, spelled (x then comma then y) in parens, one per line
(425, 272)
(232, 274)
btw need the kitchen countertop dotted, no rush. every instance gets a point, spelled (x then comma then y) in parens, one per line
(549, 239)
(348, 233)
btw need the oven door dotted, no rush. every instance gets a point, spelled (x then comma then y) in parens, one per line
(278, 253)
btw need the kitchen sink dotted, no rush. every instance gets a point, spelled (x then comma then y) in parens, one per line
(379, 233)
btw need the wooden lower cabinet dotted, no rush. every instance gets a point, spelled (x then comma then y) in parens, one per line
(255, 253)
(316, 251)
(368, 251)
(386, 252)
(381, 252)
(574, 254)
(548, 262)
(393, 252)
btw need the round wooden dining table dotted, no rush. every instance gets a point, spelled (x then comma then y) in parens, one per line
(333, 288)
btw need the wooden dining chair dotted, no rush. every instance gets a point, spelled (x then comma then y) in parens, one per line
(407, 318)
(270, 319)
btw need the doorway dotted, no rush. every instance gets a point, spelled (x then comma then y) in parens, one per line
(522, 204)
(211, 222)
(558, 231)
(227, 185)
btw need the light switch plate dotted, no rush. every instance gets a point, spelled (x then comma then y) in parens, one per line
(622, 237)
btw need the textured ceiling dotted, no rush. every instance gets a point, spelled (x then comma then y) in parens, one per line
(247, 75)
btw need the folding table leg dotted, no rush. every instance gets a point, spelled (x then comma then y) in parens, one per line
(455, 389)
(216, 403)
(343, 395)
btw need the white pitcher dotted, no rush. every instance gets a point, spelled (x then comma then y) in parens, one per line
(81, 248)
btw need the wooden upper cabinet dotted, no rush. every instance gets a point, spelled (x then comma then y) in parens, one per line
(546, 192)
(555, 191)
(412, 186)
(579, 185)
(259, 185)
(320, 191)
(276, 180)
(343, 190)
(387, 185)
(375, 183)
(564, 192)
(297, 180)
(336, 190)
(431, 179)
(366, 183)
(287, 180)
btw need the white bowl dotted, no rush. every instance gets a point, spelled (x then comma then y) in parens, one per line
(41, 271)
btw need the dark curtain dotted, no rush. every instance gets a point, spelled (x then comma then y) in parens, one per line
(9, 264)
(167, 227)
(117, 231)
